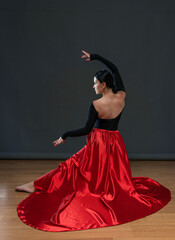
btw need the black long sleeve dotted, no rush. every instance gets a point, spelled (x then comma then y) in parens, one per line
(116, 75)
(92, 116)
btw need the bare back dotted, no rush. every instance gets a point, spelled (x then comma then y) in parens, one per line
(109, 107)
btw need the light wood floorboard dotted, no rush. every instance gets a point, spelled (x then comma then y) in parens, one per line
(158, 226)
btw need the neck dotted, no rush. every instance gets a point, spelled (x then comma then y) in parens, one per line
(107, 92)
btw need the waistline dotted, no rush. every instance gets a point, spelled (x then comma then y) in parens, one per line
(105, 130)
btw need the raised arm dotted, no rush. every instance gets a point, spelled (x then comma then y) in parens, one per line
(117, 78)
(116, 75)
(92, 116)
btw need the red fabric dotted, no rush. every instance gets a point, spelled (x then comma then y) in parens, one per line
(92, 189)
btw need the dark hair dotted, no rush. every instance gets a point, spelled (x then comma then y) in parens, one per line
(106, 76)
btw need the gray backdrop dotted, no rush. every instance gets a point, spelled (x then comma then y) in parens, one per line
(46, 88)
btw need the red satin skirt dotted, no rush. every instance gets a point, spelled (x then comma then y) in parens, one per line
(92, 189)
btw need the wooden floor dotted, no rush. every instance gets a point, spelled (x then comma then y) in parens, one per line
(158, 226)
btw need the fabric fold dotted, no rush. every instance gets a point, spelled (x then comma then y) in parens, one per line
(94, 188)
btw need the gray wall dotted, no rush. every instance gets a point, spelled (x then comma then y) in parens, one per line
(46, 88)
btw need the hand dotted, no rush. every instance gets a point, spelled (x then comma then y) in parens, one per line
(58, 141)
(86, 55)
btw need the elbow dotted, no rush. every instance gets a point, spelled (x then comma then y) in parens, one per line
(88, 130)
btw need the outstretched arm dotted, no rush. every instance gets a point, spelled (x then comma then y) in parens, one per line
(92, 116)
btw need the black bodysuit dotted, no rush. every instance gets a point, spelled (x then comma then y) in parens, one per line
(93, 120)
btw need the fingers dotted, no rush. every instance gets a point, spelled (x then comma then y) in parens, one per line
(88, 59)
(55, 141)
(84, 56)
(87, 54)
(56, 144)
(58, 141)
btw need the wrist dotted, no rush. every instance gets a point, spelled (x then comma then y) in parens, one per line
(93, 56)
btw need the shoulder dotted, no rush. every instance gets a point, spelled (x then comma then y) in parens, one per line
(96, 103)
(121, 94)
(92, 105)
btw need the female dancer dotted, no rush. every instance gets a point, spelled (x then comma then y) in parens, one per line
(94, 188)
